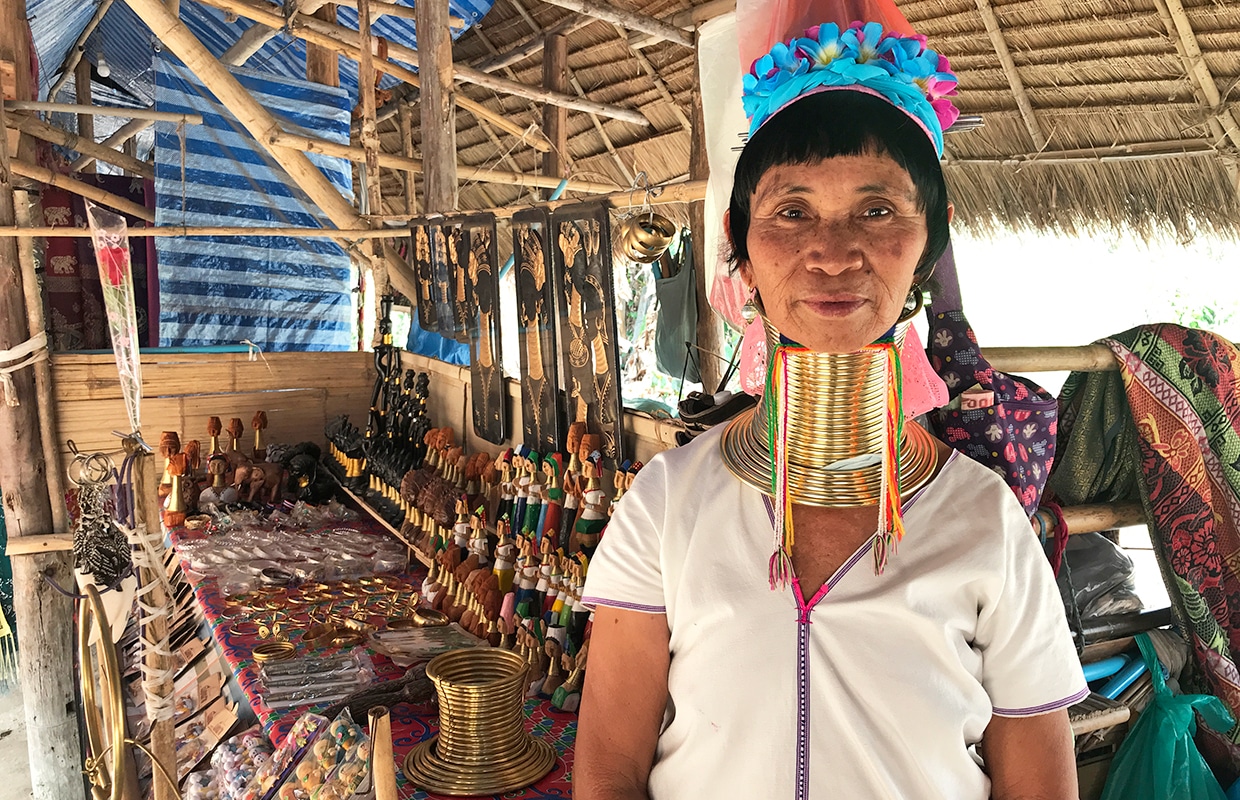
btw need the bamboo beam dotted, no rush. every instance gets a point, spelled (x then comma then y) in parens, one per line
(174, 231)
(51, 133)
(708, 334)
(260, 124)
(437, 107)
(628, 19)
(123, 134)
(346, 42)
(254, 37)
(405, 126)
(81, 189)
(369, 133)
(689, 18)
(1101, 517)
(81, 87)
(349, 38)
(78, 50)
(534, 44)
(1222, 122)
(1086, 358)
(1050, 160)
(664, 91)
(382, 9)
(104, 111)
(44, 619)
(464, 172)
(1013, 76)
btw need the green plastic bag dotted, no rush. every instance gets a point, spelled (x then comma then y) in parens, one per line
(1159, 760)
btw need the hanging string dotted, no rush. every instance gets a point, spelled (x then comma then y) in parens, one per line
(779, 569)
(890, 516)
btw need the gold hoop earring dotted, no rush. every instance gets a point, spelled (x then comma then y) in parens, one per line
(913, 303)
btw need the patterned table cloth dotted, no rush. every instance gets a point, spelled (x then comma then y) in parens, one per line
(411, 724)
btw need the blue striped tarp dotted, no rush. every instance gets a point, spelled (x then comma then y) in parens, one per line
(279, 292)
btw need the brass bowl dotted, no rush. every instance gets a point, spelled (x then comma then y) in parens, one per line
(403, 624)
(429, 618)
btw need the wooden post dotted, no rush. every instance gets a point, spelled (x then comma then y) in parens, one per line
(163, 735)
(709, 336)
(438, 108)
(44, 617)
(322, 63)
(406, 149)
(366, 95)
(555, 118)
(85, 122)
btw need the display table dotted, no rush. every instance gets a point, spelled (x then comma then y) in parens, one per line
(411, 724)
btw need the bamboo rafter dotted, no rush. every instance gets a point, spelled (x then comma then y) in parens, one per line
(104, 111)
(1013, 75)
(631, 20)
(381, 9)
(75, 186)
(51, 133)
(79, 49)
(123, 134)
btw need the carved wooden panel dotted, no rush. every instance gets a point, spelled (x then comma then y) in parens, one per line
(480, 300)
(541, 406)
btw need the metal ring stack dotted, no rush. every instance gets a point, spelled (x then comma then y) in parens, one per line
(482, 747)
(835, 434)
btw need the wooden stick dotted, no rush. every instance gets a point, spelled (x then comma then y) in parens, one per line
(1103, 517)
(123, 134)
(80, 188)
(1086, 358)
(345, 37)
(709, 334)
(51, 133)
(260, 124)
(85, 122)
(36, 323)
(369, 133)
(437, 107)
(555, 119)
(406, 143)
(1205, 88)
(79, 49)
(381, 9)
(322, 64)
(415, 165)
(629, 19)
(104, 111)
(517, 54)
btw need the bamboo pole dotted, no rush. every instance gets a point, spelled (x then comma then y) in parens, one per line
(174, 231)
(629, 19)
(369, 136)
(381, 9)
(260, 124)
(123, 134)
(1086, 358)
(709, 335)
(464, 172)
(521, 52)
(104, 111)
(406, 145)
(254, 37)
(345, 37)
(309, 30)
(81, 189)
(44, 618)
(1102, 517)
(437, 107)
(322, 64)
(999, 43)
(51, 133)
(36, 323)
(79, 49)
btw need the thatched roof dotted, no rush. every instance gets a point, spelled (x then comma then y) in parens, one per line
(1113, 91)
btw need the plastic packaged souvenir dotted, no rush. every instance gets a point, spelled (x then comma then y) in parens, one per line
(315, 678)
(201, 786)
(236, 764)
(334, 765)
(285, 760)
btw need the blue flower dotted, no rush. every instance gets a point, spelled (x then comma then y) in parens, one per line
(864, 42)
(823, 44)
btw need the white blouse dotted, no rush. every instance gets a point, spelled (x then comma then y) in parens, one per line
(876, 687)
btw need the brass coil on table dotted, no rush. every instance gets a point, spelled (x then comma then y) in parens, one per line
(836, 416)
(482, 747)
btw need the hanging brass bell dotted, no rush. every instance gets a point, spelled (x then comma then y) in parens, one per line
(646, 237)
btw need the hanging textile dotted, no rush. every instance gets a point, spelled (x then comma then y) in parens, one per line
(1184, 401)
(6, 577)
(280, 292)
(678, 318)
(76, 316)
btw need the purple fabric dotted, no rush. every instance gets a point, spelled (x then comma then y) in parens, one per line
(1016, 435)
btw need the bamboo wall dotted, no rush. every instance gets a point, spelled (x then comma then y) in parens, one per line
(299, 392)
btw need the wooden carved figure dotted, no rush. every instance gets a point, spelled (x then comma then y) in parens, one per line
(259, 423)
(505, 556)
(593, 517)
(235, 429)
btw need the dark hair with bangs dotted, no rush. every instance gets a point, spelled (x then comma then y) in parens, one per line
(843, 123)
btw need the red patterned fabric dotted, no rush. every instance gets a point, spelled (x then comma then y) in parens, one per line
(74, 293)
(410, 723)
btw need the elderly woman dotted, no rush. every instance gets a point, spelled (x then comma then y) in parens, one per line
(721, 669)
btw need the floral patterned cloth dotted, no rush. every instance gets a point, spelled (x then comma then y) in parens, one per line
(1165, 431)
(410, 723)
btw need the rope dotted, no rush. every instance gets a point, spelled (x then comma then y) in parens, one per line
(146, 556)
(29, 352)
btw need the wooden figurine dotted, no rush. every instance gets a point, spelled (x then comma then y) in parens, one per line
(593, 518)
(478, 544)
(169, 445)
(507, 490)
(235, 429)
(505, 555)
(214, 428)
(553, 504)
(259, 423)
(219, 492)
(553, 647)
(568, 696)
(534, 500)
(174, 511)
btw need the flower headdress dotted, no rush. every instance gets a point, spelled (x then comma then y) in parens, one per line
(862, 57)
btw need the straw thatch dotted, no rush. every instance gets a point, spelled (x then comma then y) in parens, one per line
(1107, 77)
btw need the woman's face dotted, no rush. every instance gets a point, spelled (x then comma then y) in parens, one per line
(832, 249)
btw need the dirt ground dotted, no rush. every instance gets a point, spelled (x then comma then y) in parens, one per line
(13, 755)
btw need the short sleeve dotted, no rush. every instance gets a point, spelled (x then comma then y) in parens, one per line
(626, 570)
(1029, 662)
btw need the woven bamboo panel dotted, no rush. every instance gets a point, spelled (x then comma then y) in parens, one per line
(299, 392)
